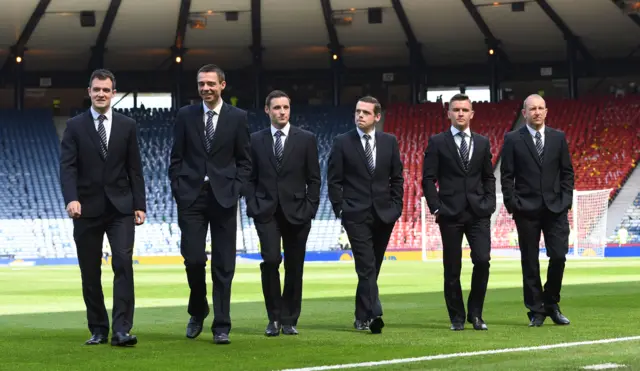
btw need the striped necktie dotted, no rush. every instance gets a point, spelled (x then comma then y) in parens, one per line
(209, 130)
(277, 148)
(539, 146)
(464, 150)
(368, 153)
(103, 136)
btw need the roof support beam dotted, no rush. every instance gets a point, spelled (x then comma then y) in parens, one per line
(334, 45)
(568, 34)
(412, 41)
(178, 48)
(490, 39)
(18, 49)
(98, 50)
(257, 49)
(418, 63)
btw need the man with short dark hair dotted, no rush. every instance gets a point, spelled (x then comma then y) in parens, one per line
(459, 160)
(103, 188)
(283, 194)
(209, 167)
(365, 183)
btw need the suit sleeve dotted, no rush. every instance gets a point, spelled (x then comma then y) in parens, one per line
(69, 166)
(507, 172)
(313, 174)
(177, 150)
(430, 171)
(134, 169)
(335, 176)
(250, 186)
(488, 178)
(396, 178)
(243, 153)
(566, 173)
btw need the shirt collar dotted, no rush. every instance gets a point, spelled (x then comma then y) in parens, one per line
(285, 130)
(455, 131)
(532, 131)
(107, 114)
(215, 109)
(372, 134)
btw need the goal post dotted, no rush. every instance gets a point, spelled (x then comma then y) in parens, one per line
(587, 229)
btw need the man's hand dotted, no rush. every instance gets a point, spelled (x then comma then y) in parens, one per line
(140, 216)
(74, 210)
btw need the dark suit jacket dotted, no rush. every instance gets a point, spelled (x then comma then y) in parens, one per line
(228, 165)
(458, 188)
(528, 185)
(87, 178)
(296, 187)
(353, 191)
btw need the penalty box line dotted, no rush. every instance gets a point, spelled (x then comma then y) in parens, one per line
(465, 354)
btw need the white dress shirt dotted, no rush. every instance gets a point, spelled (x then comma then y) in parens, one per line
(458, 139)
(372, 142)
(106, 123)
(532, 131)
(283, 138)
(215, 117)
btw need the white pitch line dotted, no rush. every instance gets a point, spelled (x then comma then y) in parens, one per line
(604, 366)
(466, 354)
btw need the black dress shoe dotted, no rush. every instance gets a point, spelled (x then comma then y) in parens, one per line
(361, 325)
(289, 330)
(478, 323)
(376, 325)
(558, 318)
(96, 339)
(273, 329)
(537, 320)
(221, 338)
(195, 325)
(457, 326)
(123, 339)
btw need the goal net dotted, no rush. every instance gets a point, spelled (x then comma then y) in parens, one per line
(587, 224)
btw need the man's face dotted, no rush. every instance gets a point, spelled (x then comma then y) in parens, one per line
(535, 111)
(279, 111)
(364, 117)
(460, 113)
(101, 93)
(210, 87)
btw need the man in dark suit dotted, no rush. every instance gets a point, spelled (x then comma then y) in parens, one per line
(210, 164)
(103, 188)
(366, 189)
(283, 194)
(460, 161)
(537, 185)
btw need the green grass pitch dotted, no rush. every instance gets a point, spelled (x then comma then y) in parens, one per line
(43, 325)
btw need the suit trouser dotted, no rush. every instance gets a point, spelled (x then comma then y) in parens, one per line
(478, 234)
(369, 239)
(282, 306)
(555, 228)
(204, 213)
(88, 234)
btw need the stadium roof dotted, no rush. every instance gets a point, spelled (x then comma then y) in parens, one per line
(294, 32)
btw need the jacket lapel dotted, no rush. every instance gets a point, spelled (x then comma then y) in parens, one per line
(221, 128)
(289, 143)
(548, 141)
(476, 156)
(356, 142)
(198, 121)
(526, 136)
(448, 137)
(267, 141)
(92, 132)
